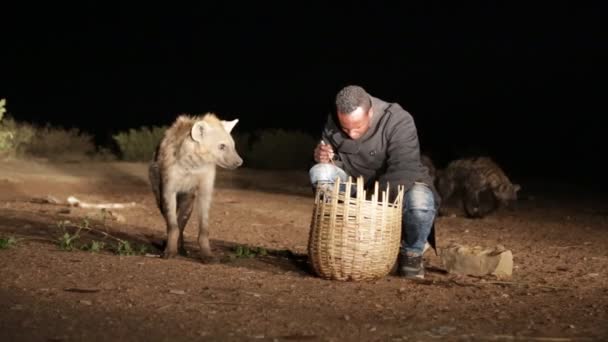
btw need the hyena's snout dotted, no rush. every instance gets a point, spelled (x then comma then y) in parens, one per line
(238, 162)
(232, 161)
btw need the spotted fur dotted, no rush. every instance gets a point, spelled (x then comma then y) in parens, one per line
(474, 176)
(182, 174)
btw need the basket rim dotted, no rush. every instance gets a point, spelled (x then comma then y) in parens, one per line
(380, 196)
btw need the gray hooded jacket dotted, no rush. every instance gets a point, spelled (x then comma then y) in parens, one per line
(388, 152)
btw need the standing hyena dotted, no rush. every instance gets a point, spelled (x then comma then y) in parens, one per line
(474, 176)
(183, 173)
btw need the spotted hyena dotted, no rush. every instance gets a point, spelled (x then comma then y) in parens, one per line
(428, 162)
(474, 177)
(182, 174)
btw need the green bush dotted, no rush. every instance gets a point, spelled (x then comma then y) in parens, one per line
(6, 136)
(57, 143)
(19, 139)
(139, 144)
(15, 137)
(2, 109)
(281, 150)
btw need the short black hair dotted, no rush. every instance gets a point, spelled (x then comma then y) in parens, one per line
(351, 97)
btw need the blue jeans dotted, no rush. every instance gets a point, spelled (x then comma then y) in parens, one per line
(419, 208)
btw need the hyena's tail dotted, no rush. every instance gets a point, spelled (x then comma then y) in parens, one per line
(154, 178)
(155, 182)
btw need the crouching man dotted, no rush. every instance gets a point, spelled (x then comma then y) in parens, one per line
(378, 141)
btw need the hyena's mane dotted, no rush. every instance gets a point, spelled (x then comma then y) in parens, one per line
(178, 133)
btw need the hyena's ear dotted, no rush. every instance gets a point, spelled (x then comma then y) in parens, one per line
(198, 131)
(229, 125)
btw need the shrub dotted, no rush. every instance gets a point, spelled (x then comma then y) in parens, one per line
(281, 149)
(2, 109)
(57, 143)
(14, 136)
(139, 144)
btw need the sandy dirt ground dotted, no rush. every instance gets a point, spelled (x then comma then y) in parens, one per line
(558, 291)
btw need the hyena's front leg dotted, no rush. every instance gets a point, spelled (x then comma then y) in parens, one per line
(185, 203)
(170, 214)
(204, 203)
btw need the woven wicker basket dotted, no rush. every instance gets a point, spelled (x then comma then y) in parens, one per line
(352, 238)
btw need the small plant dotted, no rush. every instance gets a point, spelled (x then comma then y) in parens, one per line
(8, 242)
(94, 246)
(68, 241)
(249, 252)
(124, 247)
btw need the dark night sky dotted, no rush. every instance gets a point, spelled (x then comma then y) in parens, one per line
(525, 83)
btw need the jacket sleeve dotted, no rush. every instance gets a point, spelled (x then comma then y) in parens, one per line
(403, 154)
(328, 129)
(327, 135)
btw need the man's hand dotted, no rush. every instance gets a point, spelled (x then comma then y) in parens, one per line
(324, 153)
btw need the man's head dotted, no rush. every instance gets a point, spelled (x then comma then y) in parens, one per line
(354, 110)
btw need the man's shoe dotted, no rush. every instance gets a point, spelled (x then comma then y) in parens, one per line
(411, 266)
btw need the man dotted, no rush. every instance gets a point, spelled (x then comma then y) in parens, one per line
(379, 141)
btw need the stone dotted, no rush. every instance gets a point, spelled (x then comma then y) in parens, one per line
(477, 261)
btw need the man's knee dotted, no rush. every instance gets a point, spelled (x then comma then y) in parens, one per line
(420, 198)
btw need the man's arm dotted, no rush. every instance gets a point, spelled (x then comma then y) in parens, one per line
(403, 154)
(329, 130)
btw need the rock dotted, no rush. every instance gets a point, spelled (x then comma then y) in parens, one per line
(477, 261)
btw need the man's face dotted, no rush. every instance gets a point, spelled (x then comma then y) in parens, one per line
(356, 123)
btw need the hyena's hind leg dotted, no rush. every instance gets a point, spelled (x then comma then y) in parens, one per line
(185, 204)
(156, 183)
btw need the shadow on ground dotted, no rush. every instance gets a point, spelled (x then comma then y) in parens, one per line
(52, 229)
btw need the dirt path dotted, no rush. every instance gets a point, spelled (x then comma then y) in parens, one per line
(559, 290)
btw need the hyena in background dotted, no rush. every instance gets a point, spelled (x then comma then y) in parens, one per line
(474, 176)
(182, 174)
(428, 162)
